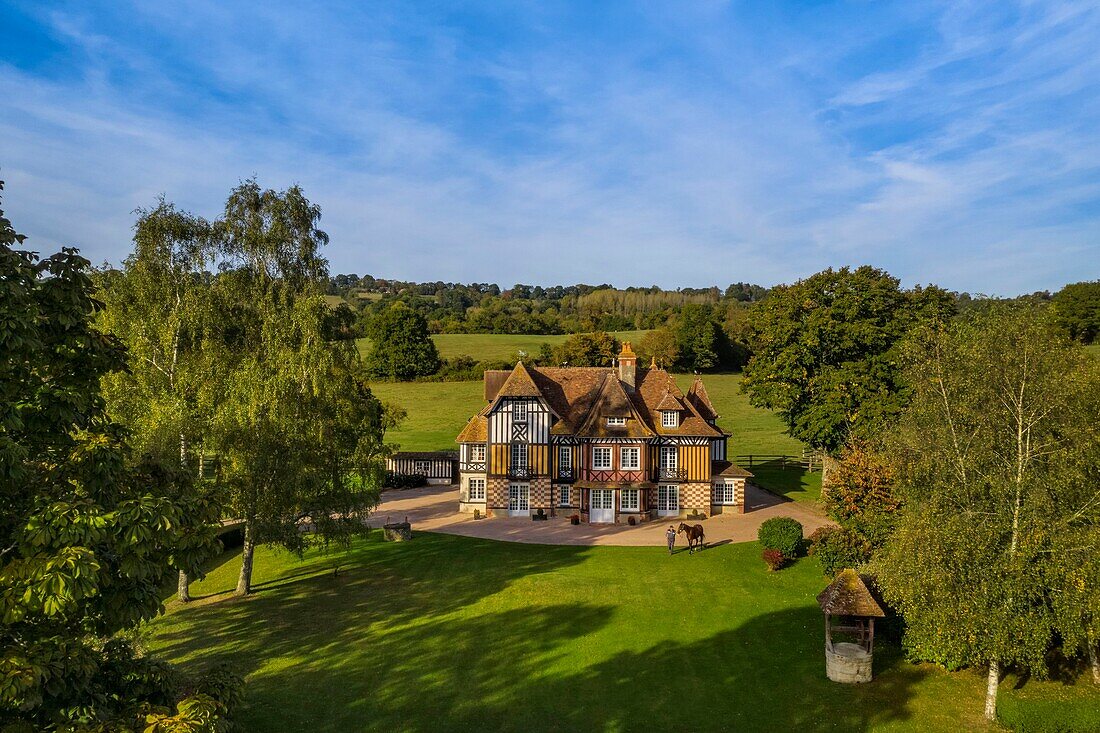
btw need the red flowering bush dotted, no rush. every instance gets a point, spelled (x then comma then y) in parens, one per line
(774, 559)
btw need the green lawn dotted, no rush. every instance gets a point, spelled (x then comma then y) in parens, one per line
(437, 411)
(497, 346)
(451, 633)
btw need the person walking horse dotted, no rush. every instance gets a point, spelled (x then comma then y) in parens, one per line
(670, 535)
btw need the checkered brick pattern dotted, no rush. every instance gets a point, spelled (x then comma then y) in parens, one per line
(695, 497)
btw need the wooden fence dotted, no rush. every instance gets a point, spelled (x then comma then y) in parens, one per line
(808, 461)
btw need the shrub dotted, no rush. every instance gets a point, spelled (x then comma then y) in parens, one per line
(404, 480)
(838, 548)
(783, 534)
(774, 559)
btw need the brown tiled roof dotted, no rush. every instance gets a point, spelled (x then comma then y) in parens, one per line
(669, 402)
(572, 394)
(613, 401)
(848, 595)
(700, 400)
(494, 380)
(728, 470)
(518, 384)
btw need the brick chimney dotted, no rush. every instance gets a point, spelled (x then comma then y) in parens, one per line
(628, 363)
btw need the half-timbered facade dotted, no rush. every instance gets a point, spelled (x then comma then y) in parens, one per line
(606, 443)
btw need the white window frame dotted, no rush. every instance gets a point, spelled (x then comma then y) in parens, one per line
(634, 465)
(670, 419)
(564, 498)
(520, 413)
(632, 503)
(613, 422)
(519, 450)
(421, 466)
(725, 493)
(565, 457)
(477, 453)
(601, 450)
(669, 452)
(475, 489)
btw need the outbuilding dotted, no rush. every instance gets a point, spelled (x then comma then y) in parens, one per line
(439, 467)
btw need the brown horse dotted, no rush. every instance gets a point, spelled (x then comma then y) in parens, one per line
(695, 537)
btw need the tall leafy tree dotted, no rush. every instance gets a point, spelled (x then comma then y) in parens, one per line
(825, 351)
(299, 436)
(158, 304)
(587, 349)
(86, 538)
(1077, 309)
(1000, 506)
(401, 347)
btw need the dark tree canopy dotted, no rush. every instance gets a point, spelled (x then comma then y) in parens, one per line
(88, 538)
(824, 351)
(587, 349)
(401, 347)
(1077, 310)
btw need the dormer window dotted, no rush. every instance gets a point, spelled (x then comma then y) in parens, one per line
(670, 419)
(616, 422)
(519, 412)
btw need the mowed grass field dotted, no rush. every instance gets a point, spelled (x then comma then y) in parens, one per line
(451, 633)
(437, 412)
(497, 346)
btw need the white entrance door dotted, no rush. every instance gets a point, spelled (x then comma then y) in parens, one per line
(602, 506)
(519, 500)
(668, 501)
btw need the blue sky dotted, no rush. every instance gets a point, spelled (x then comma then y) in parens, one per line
(679, 144)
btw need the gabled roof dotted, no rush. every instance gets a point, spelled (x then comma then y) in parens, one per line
(572, 394)
(848, 595)
(700, 400)
(669, 402)
(518, 384)
(613, 401)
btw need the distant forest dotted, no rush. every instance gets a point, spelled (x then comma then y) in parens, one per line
(693, 329)
(533, 309)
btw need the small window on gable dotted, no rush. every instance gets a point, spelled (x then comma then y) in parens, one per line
(519, 411)
(477, 453)
(613, 421)
(670, 419)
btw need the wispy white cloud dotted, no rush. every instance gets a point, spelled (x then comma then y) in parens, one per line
(692, 148)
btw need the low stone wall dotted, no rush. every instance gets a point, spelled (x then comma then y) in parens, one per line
(847, 662)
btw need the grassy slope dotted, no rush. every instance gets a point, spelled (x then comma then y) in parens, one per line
(496, 346)
(450, 633)
(437, 411)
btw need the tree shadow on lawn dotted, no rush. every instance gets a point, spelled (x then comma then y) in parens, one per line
(791, 483)
(383, 583)
(324, 666)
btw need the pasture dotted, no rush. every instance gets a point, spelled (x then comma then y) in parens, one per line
(452, 633)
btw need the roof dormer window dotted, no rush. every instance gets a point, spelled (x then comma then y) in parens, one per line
(670, 419)
(613, 422)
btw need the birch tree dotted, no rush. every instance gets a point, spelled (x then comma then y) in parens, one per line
(299, 435)
(990, 460)
(158, 305)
